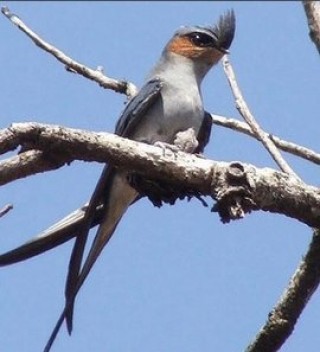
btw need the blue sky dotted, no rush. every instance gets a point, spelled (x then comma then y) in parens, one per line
(173, 279)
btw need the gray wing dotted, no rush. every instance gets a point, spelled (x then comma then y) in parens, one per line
(69, 227)
(137, 107)
(204, 133)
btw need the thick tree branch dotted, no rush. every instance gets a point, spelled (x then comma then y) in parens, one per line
(283, 317)
(286, 146)
(312, 10)
(10, 141)
(244, 110)
(27, 163)
(238, 188)
(123, 87)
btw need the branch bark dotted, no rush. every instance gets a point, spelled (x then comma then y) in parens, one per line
(283, 317)
(286, 146)
(239, 188)
(312, 10)
(244, 110)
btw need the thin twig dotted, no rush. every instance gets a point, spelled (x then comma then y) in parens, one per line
(4, 210)
(283, 317)
(248, 117)
(286, 146)
(312, 10)
(123, 87)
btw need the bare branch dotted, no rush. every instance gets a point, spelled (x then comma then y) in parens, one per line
(312, 10)
(248, 117)
(239, 188)
(283, 317)
(289, 147)
(123, 87)
(10, 141)
(4, 210)
(25, 164)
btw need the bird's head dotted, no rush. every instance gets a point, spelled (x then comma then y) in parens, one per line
(206, 44)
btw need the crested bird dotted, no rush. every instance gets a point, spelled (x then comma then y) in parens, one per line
(169, 103)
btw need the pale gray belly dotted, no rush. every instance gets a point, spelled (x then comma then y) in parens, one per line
(168, 117)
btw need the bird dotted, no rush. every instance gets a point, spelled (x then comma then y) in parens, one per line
(167, 110)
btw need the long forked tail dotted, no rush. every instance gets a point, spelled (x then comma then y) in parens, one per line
(120, 196)
(67, 312)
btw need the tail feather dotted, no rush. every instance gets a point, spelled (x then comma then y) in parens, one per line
(57, 234)
(119, 195)
(99, 195)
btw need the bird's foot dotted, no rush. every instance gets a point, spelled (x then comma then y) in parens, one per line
(167, 147)
(186, 141)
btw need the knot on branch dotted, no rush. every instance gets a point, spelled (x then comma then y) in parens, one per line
(30, 137)
(232, 190)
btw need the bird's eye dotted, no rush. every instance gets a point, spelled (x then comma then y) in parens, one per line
(201, 39)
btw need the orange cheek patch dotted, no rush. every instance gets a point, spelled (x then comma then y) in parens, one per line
(183, 46)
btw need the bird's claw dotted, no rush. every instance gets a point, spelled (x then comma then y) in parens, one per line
(186, 140)
(167, 146)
